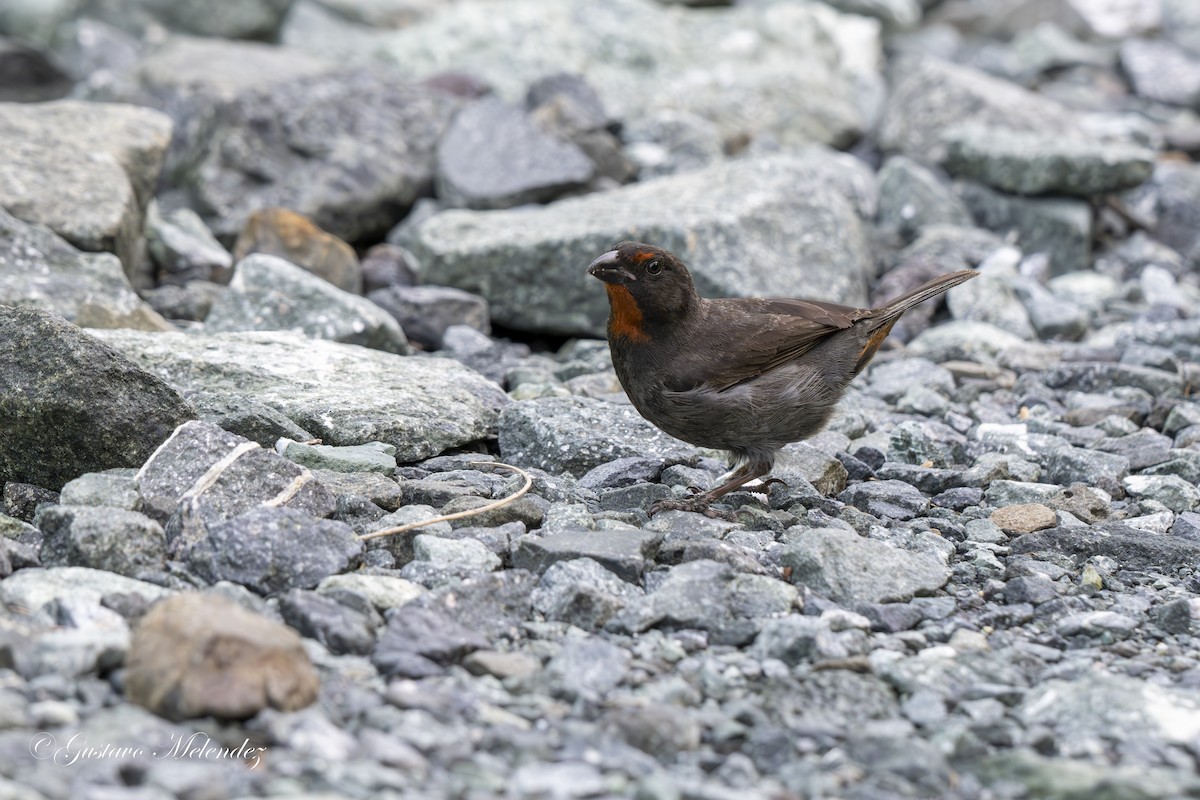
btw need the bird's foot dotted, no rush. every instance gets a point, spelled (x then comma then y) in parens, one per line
(699, 503)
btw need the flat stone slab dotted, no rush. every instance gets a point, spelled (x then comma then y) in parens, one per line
(344, 394)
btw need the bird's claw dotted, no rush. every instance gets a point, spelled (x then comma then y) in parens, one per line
(698, 503)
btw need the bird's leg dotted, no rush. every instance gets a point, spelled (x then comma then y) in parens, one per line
(701, 503)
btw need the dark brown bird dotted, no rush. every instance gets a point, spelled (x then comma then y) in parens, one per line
(747, 375)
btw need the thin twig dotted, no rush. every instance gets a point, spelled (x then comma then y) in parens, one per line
(471, 512)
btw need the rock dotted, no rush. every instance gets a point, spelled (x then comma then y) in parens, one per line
(666, 142)
(890, 499)
(75, 404)
(1059, 227)
(501, 665)
(710, 596)
(422, 639)
(1025, 162)
(802, 460)
(530, 263)
(624, 553)
(912, 197)
(621, 472)
(189, 303)
(1161, 71)
(930, 96)
(338, 627)
(581, 592)
(269, 549)
(494, 156)
(577, 434)
(112, 539)
(384, 591)
(386, 265)
(295, 239)
(1025, 518)
(456, 555)
(90, 289)
(114, 487)
(425, 312)
(358, 152)
(1069, 465)
(219, 475)
(1131, 548)
(1172, 491)
(270, 294)
(34, 588)
(254, 19)
(343, 394)
(585, 669)
(1032, 589)
(183, 248)
(29, 75)
(84, 170)
(848, 568)
(197, 655)
(793, 73)
(370, 457)
(1052, 315)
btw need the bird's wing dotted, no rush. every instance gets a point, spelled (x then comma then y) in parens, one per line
(767, 333)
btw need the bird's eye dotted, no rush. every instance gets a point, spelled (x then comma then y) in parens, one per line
(654, 267)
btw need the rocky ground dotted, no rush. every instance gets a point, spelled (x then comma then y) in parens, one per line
(279, 274)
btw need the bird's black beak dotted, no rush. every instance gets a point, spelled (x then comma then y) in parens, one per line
(608, 268)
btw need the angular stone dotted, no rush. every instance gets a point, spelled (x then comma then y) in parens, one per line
(416, 635)
(370, 457)
(72, 404)
(294, 238)
(581, 592)
(222, 475)
(848, 568)
(624, 552)
(1131, 548)
(823, 471)
(338, 627)
(184, 249)
(112, 539)
(929, 96)
(115, 488)
(912, 197)
(494, 156)
(384, 591)
(198, 655)
(84, 170)
(1043, 162)
(270, 294)
(886, 499)
(1171, 490)
(343, 394)
(729, 223)
(268, 549)
(1162, 71)
(425, 312)
(38, 268)
(1025, 518)
(577, 434)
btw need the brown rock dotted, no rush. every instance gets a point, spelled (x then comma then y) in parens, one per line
(293, 237)
(1025, 518)
(197, 655)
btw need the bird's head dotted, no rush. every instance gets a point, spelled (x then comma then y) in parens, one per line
(646, 285)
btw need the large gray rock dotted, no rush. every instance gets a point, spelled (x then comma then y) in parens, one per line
(1162, 71)
(493, 155)
(112, 539)
(245, 19)
(270, 294)
(38, 268)
(1042, 162)
(849, 568)
(777, 226)
(795, 72)
(576, 434)
(341, 393)
(72, 404)
(85, 170)
(930, 96)
(912, 197)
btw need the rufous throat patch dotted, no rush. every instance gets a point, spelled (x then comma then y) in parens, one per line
(625, 318)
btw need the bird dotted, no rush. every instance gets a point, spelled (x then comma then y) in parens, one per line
(745, 375)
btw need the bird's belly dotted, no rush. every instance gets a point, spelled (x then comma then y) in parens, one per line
(785, 405)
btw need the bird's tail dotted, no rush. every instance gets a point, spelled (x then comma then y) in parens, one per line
(892, 310)
(885, 316)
